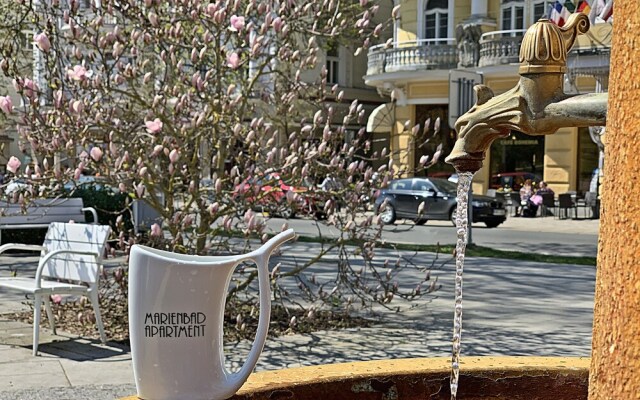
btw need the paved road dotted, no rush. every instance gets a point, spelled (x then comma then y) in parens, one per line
(536, 235)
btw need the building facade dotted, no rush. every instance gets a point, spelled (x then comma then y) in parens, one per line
(440, 50)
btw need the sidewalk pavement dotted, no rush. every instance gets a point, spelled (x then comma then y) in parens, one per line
(551, 224)
(511, 308)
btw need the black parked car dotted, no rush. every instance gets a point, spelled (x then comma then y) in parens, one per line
(439, 195)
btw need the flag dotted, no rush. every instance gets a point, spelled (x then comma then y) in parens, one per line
(584, 7)
(597, 10)
(558, 13)
(607, 12)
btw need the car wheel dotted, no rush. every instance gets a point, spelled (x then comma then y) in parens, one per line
(286, 211)
(421, 221)
(452, 216)
(388, 215)
(492, 224)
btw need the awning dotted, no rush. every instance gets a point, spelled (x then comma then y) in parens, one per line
(381, 119)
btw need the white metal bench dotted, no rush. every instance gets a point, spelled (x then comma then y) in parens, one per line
(70, 261)
(41, 212)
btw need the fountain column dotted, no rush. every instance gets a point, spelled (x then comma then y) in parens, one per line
(615, 363)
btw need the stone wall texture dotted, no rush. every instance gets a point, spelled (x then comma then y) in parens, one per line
(615, 365)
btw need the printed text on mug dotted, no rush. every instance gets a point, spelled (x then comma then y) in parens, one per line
(174, 325)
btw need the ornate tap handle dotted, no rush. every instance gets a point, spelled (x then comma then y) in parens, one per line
(545, 45)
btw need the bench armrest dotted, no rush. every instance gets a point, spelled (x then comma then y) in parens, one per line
(93, 212)
(47, 256)
(20, 246)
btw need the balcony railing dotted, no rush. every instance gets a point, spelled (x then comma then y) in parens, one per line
(425, 54)
(500, 47)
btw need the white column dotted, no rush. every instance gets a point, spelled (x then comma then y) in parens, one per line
(479, 8)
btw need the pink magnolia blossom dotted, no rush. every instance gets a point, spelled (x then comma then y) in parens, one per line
(157, 149)
(6, 105)
(277, 24)
(233, 60)
(76, 106)
(154, 126)
(156, 230)
(96, 153)
(29, 88)
(140, 190)
(153, 18)
(237, 23)
(174, 155)
(78, 73)
(56, 298)
(13, 165)
(213, 208)
(42, 41)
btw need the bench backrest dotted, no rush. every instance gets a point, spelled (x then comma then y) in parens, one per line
(42, 211)
(79, 237)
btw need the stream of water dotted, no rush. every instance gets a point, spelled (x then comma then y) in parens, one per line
(462, 229)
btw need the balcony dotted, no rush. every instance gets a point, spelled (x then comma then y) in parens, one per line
(414, 55)
(500, 47)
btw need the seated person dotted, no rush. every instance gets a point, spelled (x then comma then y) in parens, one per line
(544, 189)
(529, 208)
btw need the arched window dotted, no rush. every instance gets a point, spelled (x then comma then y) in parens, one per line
(436, 19)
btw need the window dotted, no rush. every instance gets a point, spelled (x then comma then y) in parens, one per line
(402, 184)
(436, 19)
(512, 16)
(420, 185)
(332, 64)
(540, 10)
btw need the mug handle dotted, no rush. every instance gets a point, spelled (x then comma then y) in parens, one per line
(261, 258)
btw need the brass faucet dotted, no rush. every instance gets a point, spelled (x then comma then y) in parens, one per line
(537, 105)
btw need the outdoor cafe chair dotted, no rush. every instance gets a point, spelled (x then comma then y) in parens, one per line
(548, 202)
(515, 202)
(588, 203)
(70, 261)
(565, 204)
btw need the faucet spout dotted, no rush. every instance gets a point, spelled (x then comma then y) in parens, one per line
(537, 104)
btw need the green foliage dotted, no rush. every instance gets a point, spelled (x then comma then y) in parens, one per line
(108, 203)
(24, 236)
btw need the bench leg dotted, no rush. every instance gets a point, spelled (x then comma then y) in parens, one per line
(93, 296)
(47, 306)
(36, 323)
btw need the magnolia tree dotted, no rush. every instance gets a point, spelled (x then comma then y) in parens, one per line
(194, 107)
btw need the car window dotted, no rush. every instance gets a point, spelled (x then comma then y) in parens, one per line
(444, 186)
(420, 185)
(402, 184)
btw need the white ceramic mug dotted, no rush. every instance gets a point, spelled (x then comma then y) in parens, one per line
(176, 311)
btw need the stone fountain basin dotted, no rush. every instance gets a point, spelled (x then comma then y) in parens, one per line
(496, 378)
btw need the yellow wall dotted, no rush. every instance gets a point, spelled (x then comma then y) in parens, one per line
(501, 85)
(428, 90)
(402, 147)
(493, 11)
(461, 11)
(560, 155)
(408, 20)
